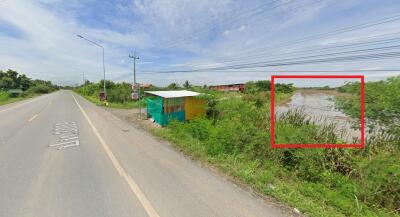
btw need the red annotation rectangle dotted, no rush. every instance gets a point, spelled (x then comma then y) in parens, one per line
(362, 116)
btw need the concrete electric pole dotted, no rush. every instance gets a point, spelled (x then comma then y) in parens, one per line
(136, 87)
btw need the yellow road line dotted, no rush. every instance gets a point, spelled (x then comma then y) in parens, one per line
(33, 117)
(132, 184)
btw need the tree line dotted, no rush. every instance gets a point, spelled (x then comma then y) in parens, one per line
(12, 80)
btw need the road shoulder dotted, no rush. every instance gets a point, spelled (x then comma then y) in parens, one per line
(119, 122)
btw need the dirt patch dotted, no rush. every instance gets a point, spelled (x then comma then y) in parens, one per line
(134, 117)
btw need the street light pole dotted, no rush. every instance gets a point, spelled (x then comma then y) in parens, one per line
(104, 66)
(104, 75)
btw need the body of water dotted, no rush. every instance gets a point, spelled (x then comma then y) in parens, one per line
(320, 107)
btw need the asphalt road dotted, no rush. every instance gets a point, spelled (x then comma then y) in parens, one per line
(63, 156)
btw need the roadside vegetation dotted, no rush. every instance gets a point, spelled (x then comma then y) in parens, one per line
(234, 137)
(15, 87)
(118, 94)
(382, 104)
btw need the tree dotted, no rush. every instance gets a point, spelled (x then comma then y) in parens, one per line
(187, 85)
(24, 82)
(6, 83)
(173, 86)
(263, 85)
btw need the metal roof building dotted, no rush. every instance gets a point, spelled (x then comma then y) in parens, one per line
(164, 106)
(173, 93)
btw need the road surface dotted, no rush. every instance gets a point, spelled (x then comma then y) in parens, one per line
(61, 156)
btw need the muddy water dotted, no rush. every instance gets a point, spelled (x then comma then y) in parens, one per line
(320, 107)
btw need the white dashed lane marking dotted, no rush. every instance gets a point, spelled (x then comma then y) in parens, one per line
(32, 118)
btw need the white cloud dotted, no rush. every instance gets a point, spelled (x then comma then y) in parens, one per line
(181, 34)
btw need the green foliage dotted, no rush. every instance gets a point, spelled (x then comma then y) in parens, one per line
(186, 85)
(14, 86)
(4, 96)
(381, 182)
(40, 88)
(284, 88)
(321, 182)
(118, 94)
(10, 79)
(257, 86)
(173, 86)
(382, 103)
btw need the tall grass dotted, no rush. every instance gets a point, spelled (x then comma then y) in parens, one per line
(320, 182)
(4, 96)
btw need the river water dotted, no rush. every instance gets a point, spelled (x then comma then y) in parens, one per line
(320, 108)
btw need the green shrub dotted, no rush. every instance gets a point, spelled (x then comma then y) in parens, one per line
(381, 182)
(40, 88)
(4, 96)
(344, 180)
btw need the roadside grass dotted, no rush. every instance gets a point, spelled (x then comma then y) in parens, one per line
(267, 178)
(318, 182)
(333, 197)
(10, 100)
(127, 105)
(234, 138)
(6, 99)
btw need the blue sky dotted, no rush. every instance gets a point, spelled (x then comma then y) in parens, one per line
(38, 38)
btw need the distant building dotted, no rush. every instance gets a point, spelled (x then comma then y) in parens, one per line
(146, 85)
(181, 105)
(228, 87)
(142, 85)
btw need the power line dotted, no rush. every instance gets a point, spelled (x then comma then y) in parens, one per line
(179, 41)
(376, 56)
(321, 50)
(291, 71)
(237, 18)
(316, 56)
(328, 34)
(337, 31)
(318, 50)
(340, 53)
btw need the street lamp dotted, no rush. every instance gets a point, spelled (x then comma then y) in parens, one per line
(104, 67)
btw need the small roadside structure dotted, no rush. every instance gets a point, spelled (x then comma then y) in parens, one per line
(181, 105)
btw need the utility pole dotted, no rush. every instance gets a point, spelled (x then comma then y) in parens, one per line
(83, 85)
(136, 89)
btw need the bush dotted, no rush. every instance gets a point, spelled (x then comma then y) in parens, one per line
(40, 88)
(119, 94)
(238, 128)
(381, 182)
(4, 96)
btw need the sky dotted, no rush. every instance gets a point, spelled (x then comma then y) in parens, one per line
(178, 40)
